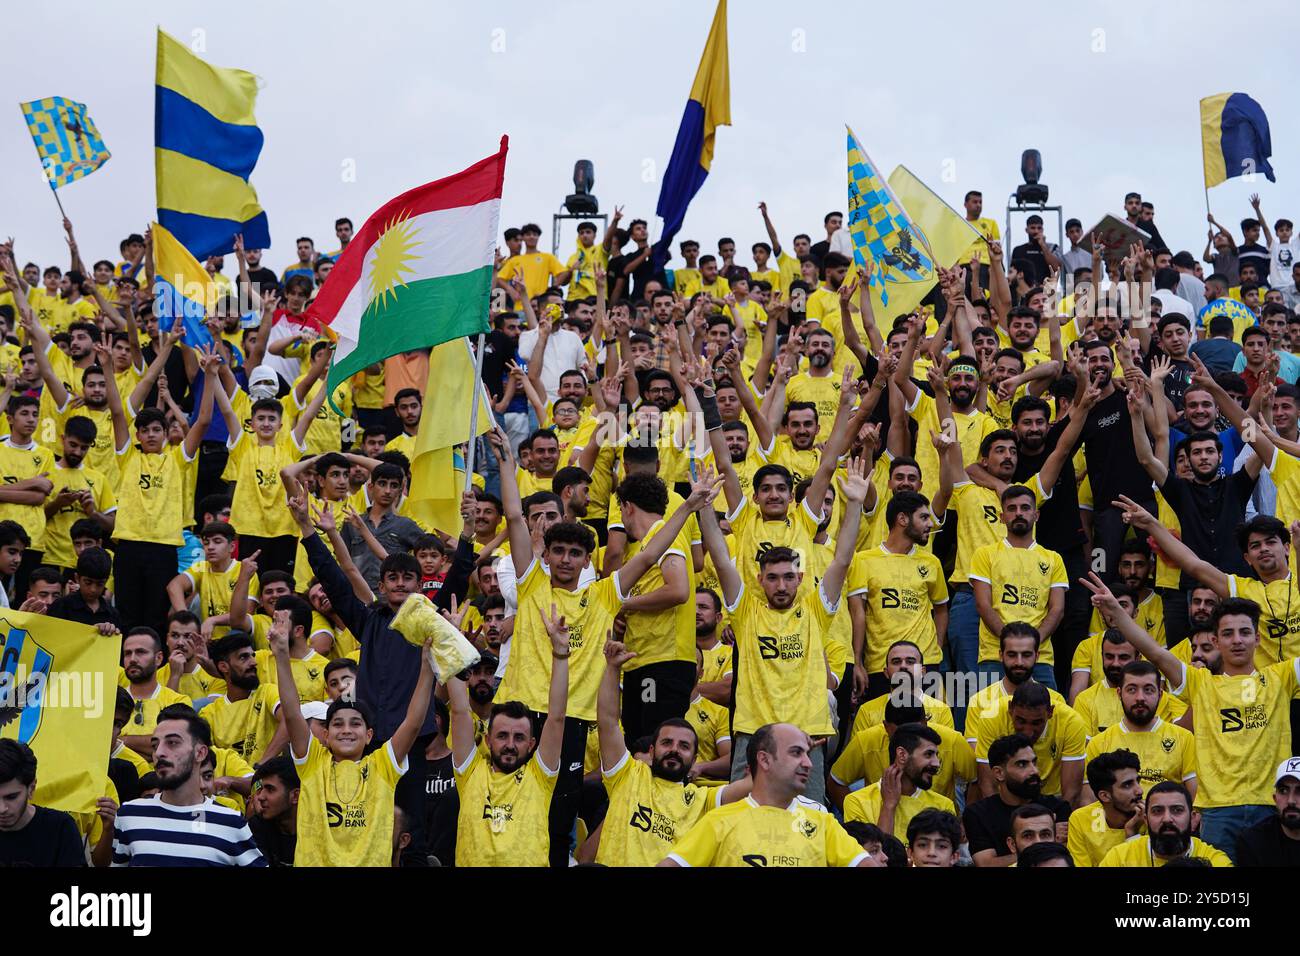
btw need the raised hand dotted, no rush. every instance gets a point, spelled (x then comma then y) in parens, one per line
(323, 518)
(278, 636)
(557, 628)
(704, 488)
(855, 484)
(616, 653)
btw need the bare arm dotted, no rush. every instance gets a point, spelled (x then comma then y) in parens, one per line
(612, 745)
(557, 701)
(404, 736)
(1146, 645)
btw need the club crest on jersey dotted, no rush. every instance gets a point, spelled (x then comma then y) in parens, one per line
(1042, 567)
(923, 571)
(688, 797)
(582, 601)
(1167, 744)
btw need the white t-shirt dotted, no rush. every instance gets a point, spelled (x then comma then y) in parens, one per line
(1171, 303)
(564, 353)
(1284, 255)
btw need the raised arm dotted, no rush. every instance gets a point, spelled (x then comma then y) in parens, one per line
(211, 385)
(557, 700)
(612, 744)
(771, 230)
(1146, 645)
(167, 340)
(521, 542)
(417, 710)
(907, 358)
(1158, 469)
(855, 486)
(1172, 548)
(716, 545)
(1051, 469)
(290, 707)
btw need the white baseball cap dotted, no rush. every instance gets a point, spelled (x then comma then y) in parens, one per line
(315, 710)
(1290, 767)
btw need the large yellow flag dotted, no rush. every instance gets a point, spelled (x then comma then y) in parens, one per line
(946, 231)
(58, 689)
(438, 472)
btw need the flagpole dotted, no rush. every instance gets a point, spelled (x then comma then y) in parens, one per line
(54, 189)
(473, 414)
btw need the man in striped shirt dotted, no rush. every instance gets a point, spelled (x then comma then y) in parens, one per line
(179, 827)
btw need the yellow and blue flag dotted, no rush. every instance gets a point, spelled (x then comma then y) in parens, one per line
(58, 691)
(1235, 140)
(708, 108)
(883, 232)
(206, 143)
(184, 293)
(67, 141)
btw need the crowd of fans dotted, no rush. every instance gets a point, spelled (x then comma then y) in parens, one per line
(758, 575)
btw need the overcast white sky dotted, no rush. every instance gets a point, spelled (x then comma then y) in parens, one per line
(410, 91)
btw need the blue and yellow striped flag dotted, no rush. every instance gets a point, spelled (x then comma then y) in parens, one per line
(883, 232)
(66, 139)
(206, 144)
(1235, 139)
(184, 293)
(707, 108)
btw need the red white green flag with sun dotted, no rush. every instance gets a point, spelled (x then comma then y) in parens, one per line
(418, 273)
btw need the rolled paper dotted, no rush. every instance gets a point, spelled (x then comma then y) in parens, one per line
(417, 619)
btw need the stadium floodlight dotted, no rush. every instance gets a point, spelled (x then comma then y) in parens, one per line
(581, 202)
(1031, 192)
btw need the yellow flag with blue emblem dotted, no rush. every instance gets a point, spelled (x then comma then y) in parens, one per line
(58, 691)
(882, 232)
(67, 140)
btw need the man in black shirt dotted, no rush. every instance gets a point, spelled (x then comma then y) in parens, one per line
(1276, 842)
(1040, 255)
(274, 817)
(988, 821)
(31, 835)
(441, 802)
(636, 268)
(1113, 466)
(1059, 528)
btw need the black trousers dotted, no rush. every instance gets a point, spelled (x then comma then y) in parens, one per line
(845, 711)
(652, 694)
(278, 554)
(141, 570)
(213, 456)
(567, 798)
(33, 559)
(1078, 613)
(1177, 626)
(1108, 534)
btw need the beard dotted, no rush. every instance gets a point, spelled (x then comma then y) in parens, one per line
(247, 681)
(922, 779)
(1020, 527)
(1018, 675)
(482, 693)
(1028, 789)
(508, 760)
(1290, 818)
(171, 777)
(139, 673)
(1113, 675)
(705, 630)
(1170, 841)
(671, 768)
(1032, 443)
(819, 360)
(962, 397)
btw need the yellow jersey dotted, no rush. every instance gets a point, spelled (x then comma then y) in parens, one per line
(503, 816)
(801, 463)
(667, 634)
(1166, 751)
(753, 534)
(864, 806)
(155, 495)
(647, 816)
(1091, 837)
(57, 545)
(537, 268)
(1243, 731)
(345, 807)
(18, 464)
(1100, 707)
(325, 433)
(582, 267)
(214, 589)
(260, 504)
(244, 726)
(1137, 852)
(712, 726)
(824, 308)
(717, 663)
(1150, 614)
(867, 756)
(102, 456)
(1279, 618)
(1063, 740)
(900, 592)
(872, 713)
(747, 834)
(589, 612)
(979, 522)
(308, 673)
(971, 428)
(1021, 581)
(144, 712)
(781, 662)
(195, 684)
(823, 391)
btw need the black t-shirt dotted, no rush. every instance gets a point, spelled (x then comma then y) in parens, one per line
(1209, 515)
(1033, 256)
(277, 846)
(1113, 465)
(1059, 528)
(50, 839)
(988, 821)
(1266, 845)
(1257, 255)
(263, 279)
(1177, 382)
(441, 810)
(634, 282)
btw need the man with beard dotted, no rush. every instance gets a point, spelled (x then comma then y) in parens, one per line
(651, 806)
(1134, 572)
(1166, 751)
(1116, 815)
(714, 682)
(573, 485)
(977, 498)
(1057, 733)
(274, 817)
(905, 787)
(1276, 842)
(79, 491)
(819, 386)
(961, 384)
(505, 795)
(641, 461)
(1169, 827)
(904, 672)
(246, 718)
(1208, 506)
(891, 474)
(1015, 579)
(142, 655)
(1204, 648)
(868, 756)
(781, 629)
(1018, 653)
(1110, 453)
(1234, 753)
(179, 826)
(988, 821)
(897, 593)
(775, 825)
(481, 687)
(1202, 602)
(1030, 824)
(1100, 706)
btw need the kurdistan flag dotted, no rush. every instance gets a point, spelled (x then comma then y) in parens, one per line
(418, 273)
